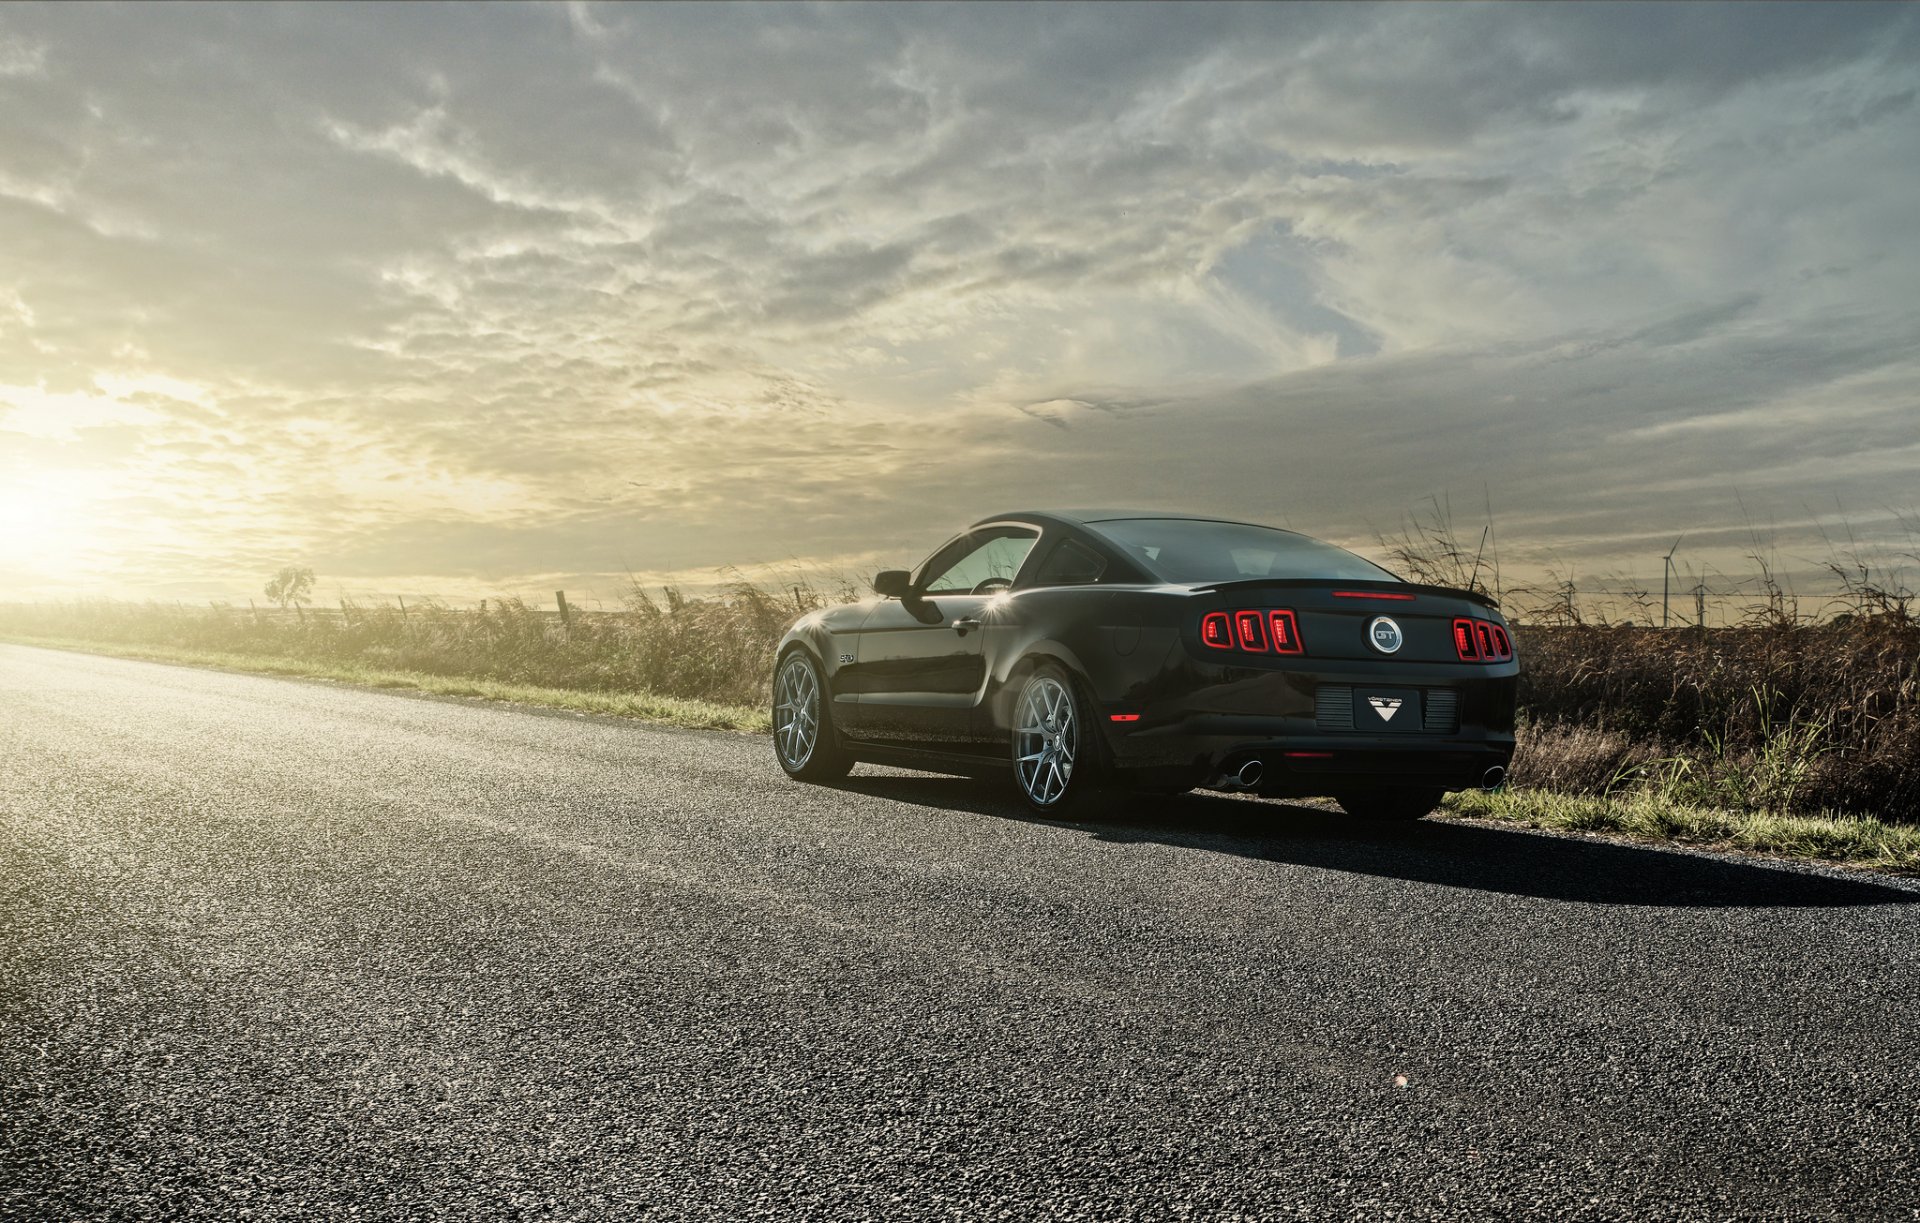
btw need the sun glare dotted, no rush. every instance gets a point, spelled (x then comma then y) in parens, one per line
(48, 523)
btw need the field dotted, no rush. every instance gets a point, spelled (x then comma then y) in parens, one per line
(1799, 736)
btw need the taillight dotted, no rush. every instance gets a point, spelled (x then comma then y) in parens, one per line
(1246, 626)
(1463, 642)
(1217, 631)
(1481, 641)
(1254, 630)
(1286, 632)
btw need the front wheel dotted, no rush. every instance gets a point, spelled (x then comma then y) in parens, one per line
(803, 736)
(1055, 749)
(1397, 804)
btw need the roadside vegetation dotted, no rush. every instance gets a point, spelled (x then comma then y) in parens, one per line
(1650, 816)
(1786, 733)
(716, 652)
(651, 707)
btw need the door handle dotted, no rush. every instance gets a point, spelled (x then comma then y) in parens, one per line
(965, 624)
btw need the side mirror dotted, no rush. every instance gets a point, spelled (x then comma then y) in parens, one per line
(892, 583)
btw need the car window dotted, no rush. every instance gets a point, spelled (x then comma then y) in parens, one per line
(967, 565)
(1070, 564)
(1190, 550)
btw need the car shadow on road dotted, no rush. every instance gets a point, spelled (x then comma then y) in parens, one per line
(1518, 861)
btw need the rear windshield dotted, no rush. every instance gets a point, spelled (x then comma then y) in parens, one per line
(1183, 550)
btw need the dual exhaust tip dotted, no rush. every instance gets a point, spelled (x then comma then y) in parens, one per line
(1248, 775)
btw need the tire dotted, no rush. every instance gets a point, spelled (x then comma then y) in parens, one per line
(1056, 746)
(804, 740)
(1399, 805)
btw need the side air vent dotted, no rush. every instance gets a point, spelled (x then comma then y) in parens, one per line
(1333, 707)
(1442, 711)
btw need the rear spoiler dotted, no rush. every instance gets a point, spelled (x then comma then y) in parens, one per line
(1472, 596)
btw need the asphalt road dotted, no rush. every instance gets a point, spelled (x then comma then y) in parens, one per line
(277, 949)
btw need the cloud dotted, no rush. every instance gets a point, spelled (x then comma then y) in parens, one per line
(472, 295)
(19, 57)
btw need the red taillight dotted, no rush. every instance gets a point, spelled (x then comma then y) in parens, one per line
(1463, 643)
(1246, 626)
(1217, 631)
(1286, 633)
(1481, 641)
(1255, 630)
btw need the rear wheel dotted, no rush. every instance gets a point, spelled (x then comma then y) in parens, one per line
(1055, 752)
(803, 735)
(1400, 804)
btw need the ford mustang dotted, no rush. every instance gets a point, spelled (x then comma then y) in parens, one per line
(1107, 650)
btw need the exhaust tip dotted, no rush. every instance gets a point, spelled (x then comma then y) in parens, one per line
(1493, 777)
(1250, 773)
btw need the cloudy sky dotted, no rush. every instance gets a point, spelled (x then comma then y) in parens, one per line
(467, 300)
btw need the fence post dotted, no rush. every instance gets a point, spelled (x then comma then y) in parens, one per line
(566, 615)
(403, 606)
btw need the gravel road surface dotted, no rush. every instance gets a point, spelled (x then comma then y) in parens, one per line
(273, 949)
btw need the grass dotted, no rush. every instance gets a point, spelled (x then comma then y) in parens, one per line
(673, 711)
(1791, 716)
(710, 651)
(1861, 841)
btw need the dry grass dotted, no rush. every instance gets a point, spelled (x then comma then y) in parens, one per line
(717, 650)
(673, 711)
(1646, 816)
(1785, 717)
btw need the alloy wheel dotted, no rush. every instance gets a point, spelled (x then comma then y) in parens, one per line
(796, 712)
(1047, 740)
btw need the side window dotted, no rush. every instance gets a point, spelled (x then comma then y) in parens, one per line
(977, 565)
(1070, 564)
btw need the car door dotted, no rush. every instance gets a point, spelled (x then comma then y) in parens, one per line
(920, 670)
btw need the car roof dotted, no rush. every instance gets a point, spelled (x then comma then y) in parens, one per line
(1082, 518)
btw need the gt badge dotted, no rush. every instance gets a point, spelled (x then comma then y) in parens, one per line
(1385, 706)
(845, 659)
(1384, 635)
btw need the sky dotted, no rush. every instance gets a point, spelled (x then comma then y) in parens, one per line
(481, 299)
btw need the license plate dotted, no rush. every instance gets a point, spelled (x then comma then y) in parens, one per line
(1386, 711)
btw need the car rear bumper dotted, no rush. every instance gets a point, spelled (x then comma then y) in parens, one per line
(1312, 733)
(1303, 765)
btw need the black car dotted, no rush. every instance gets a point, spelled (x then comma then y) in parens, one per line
(1105, 649)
